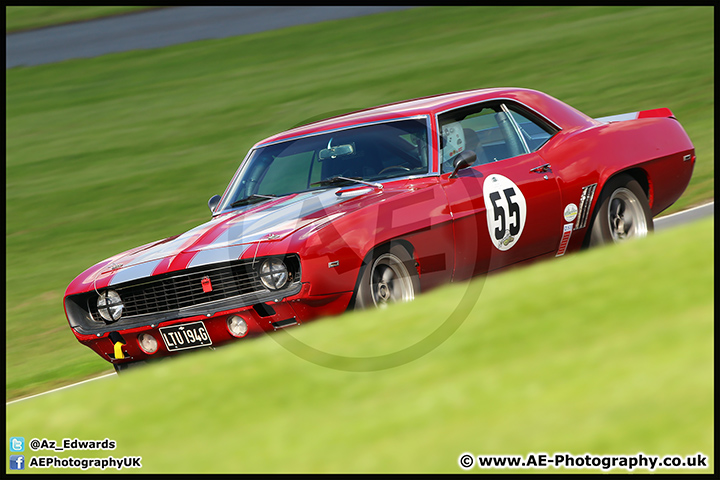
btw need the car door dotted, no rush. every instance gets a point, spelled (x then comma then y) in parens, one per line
(506, 207)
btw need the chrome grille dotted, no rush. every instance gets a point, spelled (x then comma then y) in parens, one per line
(183, 289)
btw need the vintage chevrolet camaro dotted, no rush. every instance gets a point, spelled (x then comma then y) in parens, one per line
(375, 206)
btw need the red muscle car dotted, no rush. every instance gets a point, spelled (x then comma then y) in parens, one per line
(375, 206)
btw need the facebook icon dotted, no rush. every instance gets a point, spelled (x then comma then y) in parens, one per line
(17, 462)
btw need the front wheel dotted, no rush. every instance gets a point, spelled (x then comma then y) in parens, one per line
(389, 277)
(623, 213)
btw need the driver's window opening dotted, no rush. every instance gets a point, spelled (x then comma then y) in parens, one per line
(494, 131)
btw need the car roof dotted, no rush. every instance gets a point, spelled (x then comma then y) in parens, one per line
(430, 105)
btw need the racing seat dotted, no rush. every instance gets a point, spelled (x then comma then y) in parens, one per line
(472, 142)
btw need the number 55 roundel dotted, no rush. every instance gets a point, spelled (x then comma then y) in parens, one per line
(506, 211)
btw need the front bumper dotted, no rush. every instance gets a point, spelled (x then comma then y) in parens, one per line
(260, 318)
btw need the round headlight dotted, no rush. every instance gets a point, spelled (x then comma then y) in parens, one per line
(273, 273)
(237, 326)
(110, 306)
(147, 343)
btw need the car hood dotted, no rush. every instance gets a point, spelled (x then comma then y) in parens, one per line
(226, 236)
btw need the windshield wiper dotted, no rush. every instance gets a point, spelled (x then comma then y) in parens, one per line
(254, 198)
(340, 179)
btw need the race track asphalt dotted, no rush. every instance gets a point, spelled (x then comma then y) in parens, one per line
(161, 28)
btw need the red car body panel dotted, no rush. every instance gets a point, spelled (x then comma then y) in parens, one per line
(442, 222)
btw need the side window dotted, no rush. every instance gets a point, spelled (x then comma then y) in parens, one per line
(485, 129)
(534, 132)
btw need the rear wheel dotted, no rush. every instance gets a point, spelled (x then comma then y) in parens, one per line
(388, 277)
(622, 213)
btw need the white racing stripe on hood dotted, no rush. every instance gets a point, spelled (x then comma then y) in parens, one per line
(217, 255)
(134, 272)
(280, 219)
(246, 228)
(172, 247)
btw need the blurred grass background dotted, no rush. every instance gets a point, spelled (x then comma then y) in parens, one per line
(609, 351)
(109, 153)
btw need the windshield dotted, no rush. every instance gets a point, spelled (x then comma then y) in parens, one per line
(370, 153)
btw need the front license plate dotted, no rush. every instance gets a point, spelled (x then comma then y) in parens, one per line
(189, 335)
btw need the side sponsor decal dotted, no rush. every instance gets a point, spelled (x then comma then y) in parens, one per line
(506, 211)
(567, 231)
(570, 212)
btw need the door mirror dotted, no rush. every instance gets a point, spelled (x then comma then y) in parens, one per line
(463, 160)
(213, 202)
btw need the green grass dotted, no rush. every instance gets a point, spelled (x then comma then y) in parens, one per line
(25, 18)
(606, 352)
(109, 153)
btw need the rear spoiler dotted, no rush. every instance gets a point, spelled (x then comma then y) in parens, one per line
(658, 112)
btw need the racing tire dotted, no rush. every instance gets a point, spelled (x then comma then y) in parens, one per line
(622, 213)
(390, 276)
